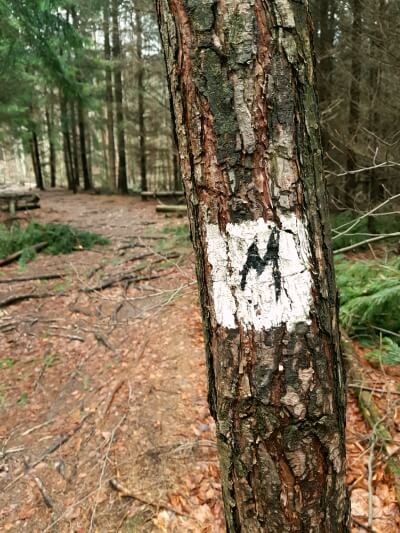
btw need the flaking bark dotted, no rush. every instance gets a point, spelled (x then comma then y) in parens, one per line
(241, 76)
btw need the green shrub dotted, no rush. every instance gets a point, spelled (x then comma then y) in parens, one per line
(370, 302)
(61, 239)
(369, 294)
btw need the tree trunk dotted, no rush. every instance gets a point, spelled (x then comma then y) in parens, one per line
(89, 150)
(241, 77)
(36, 163)
(327, 18)
(52, 148)
(117, 56)
(67, 149)
(175, 155)
(75, 145)
(355, 95)
(109, 100)
(140, 87)
(87, 185)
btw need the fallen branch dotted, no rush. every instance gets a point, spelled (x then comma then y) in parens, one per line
(112, 396)
(45, 495)
(14, 298)
(13, 257)
(103, 340)
(127, 276)
(131, 245)
(62, 439)
(125, 493)
(103, 470)
(371, 413)
(367, 241)
(31, 278)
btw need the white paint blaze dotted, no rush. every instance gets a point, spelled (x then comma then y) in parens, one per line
(258, 304)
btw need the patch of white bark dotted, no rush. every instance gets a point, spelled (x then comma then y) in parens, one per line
(258, 305)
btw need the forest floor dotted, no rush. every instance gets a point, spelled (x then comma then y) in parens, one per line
(104, 424)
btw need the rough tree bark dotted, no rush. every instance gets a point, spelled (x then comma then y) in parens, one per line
(117, 56)
(241, 77)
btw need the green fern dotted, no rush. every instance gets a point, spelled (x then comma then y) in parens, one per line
(370, 298)
(369, 294)
(388, 353)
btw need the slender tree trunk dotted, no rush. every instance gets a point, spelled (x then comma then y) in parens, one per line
(75, 144)
(327, 21)
(87, 185)
(140, 87)
(241, 76)
(355, 95)
(52, 148)
(67, 149)
(175, 159)
(89, 150)
(372, 185)
(36, 163)
(109, 101)
(117, 56)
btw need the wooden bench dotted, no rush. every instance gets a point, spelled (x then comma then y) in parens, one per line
(12, 200)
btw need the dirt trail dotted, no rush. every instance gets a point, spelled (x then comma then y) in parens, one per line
(104, 425)
(102, 393)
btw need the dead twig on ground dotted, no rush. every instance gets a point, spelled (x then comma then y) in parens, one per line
(62, 335)
(103, 470)
(15, 298)
(38, 277)
(127, 276)
(45, 495)
(372, 389)
(11, 451)
(112, 396)
(125, 493)
(34, 428)
(103, 340)
(62, 439)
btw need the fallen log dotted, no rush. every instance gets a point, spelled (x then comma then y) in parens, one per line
(13, 257)
(371, 413)
(171, 209)
(161, 194)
